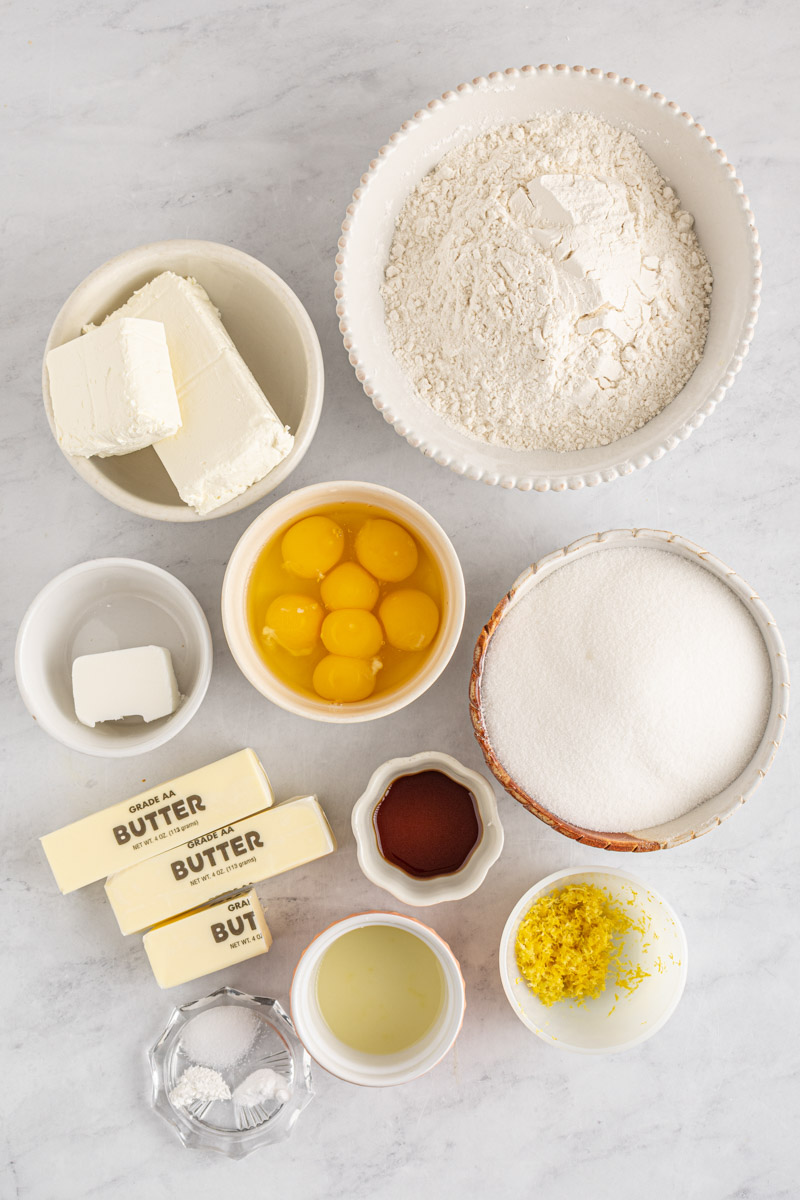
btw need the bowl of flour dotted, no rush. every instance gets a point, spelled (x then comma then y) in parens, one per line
(630, 690)
(548, 278)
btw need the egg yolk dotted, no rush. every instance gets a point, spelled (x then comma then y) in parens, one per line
(349, 586)
(312, 546)
(352, 632)
(386, 550)
(294, 622)
(410, 619)
(345, 680)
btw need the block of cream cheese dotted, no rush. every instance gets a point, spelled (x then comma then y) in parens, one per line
(112, 389)
(124, 683)
(230, 436)
(208, 866)
(165, 815)
(208, 940)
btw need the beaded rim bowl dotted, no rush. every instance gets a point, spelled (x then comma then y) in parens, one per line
(709, 813)
(685, 154)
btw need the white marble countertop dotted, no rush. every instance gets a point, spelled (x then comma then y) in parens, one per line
(127, 121)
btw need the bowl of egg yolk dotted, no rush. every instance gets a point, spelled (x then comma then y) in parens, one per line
(343, 602)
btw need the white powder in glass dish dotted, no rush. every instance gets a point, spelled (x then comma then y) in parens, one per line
(626, 687)
(545, 290)
(220, 1037)
(199, 1085)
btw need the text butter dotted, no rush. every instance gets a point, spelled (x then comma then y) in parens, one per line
(137, 829)
(208, 866)
(208, 940)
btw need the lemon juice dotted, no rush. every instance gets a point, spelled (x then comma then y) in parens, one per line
(380, 989)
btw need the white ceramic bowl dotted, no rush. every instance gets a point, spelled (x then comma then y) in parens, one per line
(392, 879)
(110, 604)
(711, 812)
(614, 1020)
(378, 1070)
(282, 514)
(270, 329)
(686, 156)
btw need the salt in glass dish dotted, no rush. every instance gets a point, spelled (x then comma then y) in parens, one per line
(220, 1124)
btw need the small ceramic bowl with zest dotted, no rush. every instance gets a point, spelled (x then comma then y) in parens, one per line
(438, 888)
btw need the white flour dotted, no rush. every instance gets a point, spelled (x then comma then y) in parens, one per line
(544, 288)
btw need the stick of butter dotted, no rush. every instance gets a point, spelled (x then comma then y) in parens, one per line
(235, 856)
(205, 941)
(137, 829)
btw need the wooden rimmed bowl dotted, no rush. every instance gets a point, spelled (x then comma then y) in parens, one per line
(709, 813)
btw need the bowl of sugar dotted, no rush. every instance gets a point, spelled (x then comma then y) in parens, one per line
(630, 690)
(524, 277)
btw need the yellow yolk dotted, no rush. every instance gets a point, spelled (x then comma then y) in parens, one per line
(312, 546)
(410, 619)
(345, 680)
(294, 622)
(349, 586)
(386, 550)
(352, 632)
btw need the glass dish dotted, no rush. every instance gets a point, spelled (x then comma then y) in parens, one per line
(220, 1124)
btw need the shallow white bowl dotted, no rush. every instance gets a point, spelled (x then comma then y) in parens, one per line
(270, 329)
(282, 514)
(110, 604)
(375, 1070)
(685, 155)
(593, 1028)
(711, 812)
(392, 879)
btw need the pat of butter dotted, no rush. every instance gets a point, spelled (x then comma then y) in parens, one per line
(206, 867)
(230, 436)
(219, 936)
(112, 390)
(124, 683)
(167, 814)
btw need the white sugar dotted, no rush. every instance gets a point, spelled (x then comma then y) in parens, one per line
(221, 1036)
(625, 688)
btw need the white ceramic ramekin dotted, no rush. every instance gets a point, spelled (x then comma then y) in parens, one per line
(615, 1020)
(110, 604)
(270, 329)
(691, 161)
(375, 1070)
(392, 879)
(711, 812)
(281, 514)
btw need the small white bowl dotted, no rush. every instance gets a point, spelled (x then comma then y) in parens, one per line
(282, 514)
(270, 329)
(392, 879)
(706, 815)
(110, 604)
(615, 1020)
(375, 1070)
(691, 161)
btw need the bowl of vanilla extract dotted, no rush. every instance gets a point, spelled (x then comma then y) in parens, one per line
(427, 829)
